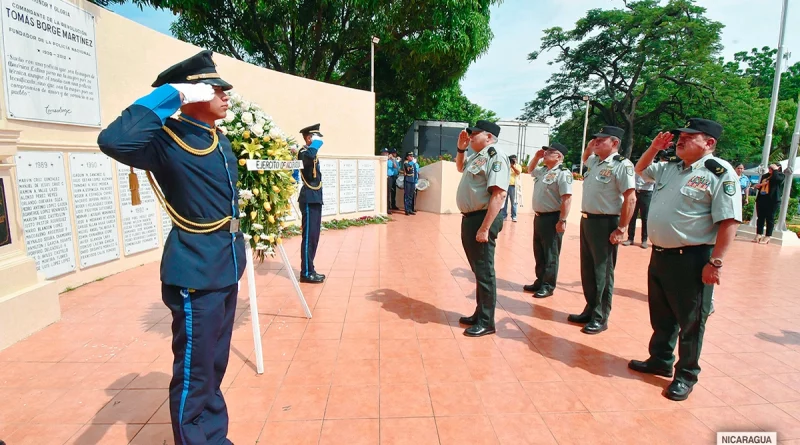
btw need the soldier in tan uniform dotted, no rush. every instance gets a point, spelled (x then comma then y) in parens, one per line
(695, 211)
(607, 206)
(552, 197)
(480, 197)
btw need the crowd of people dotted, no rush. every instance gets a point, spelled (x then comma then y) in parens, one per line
(693, 201)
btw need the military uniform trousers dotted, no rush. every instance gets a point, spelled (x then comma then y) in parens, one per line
(643, 198)
(481, 260)
(391, 191)
(312, 220)
(202, 325)
(598, 259)
(546, 249)
(679, 305)
(409, 187)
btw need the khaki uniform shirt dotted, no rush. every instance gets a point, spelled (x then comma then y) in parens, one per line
(604, 184)
(481, 171)
(688, 202)
(549, 186)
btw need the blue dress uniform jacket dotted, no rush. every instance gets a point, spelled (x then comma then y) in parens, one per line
(199, 188)
(310, 166)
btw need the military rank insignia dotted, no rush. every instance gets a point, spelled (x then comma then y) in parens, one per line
(699, 183)
(497, 166)
(492, 151)
(729, 187)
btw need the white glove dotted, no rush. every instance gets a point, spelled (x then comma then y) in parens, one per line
(194, 92)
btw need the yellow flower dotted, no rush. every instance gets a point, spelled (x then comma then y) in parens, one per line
(253, 214)
(261, 172)
(253, 150)
(267, 206)
(271, 219)
(279, 240)
(265, 139)
(270, 237)
(256, 238)
(276, 189)
(242, 162)
(293, 181)
(256, 191)
(246, 134)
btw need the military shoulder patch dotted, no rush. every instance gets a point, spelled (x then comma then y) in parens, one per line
(629, 170)
(715, 167)
(729, 187)
(497, 166)
(492, 151)
(569, 179)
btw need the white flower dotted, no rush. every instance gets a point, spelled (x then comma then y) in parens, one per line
(261, 123)
(223, 129)
(257, 130)
(261, 246)
(238, 125)
(229, 116)
(258, 227)
(247, 117)
(245, 194)
(274, 133)
(247, 237)
(242, 202)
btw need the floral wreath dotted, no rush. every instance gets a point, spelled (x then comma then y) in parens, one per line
(264, 196)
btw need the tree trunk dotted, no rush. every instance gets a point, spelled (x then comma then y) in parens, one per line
(627, 143)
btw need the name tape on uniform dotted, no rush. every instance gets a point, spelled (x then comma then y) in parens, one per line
(264, 164)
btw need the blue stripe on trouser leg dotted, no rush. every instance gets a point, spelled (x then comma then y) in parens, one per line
(201, 325)
(304, 269)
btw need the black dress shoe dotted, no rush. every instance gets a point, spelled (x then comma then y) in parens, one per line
(395, 208)
(579, 318)
(543, 293)
(479, 331)
(677, 391)
(469, 321)
(531, 287)
(413, 213)
(647, 368)
(313, 278)
(594, 327)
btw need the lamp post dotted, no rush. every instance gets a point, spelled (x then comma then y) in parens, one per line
(375, 41)
(585, 126)
(787, 186)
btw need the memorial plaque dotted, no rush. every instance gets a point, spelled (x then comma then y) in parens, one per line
(348, 186)
(95, 208)
(50, 62)
(366, 185)
(166, 226)
(5, 224)
(330, 186)
(139, 223)
(44, 204)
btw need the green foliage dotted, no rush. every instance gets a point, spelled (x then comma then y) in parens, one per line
(340, 224)
(425, 47)
(791, 211)
(635, 64)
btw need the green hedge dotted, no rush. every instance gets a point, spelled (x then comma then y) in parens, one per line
(791, 212)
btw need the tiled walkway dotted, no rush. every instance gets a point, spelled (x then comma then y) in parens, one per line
(383, 359)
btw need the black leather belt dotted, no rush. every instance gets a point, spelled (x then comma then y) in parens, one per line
(598, 216)
(475, 213)
(547, 213)
(682, 250)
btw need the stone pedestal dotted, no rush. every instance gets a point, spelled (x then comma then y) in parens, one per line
(28, 302)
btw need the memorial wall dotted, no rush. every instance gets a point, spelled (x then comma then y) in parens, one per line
(68, 70)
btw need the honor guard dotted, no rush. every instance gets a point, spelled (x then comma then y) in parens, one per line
(695, 211)
(411, 172)
(480, 198)
(204, 255)
(607, 205)
(552, 197)
(310, 201)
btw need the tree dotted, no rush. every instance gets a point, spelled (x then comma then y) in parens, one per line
(635, 64)
(759, 69)
(424, 47)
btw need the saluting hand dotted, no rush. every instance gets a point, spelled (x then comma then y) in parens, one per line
(463, 140)
(662, 141)
(194, 92)
(711, 274)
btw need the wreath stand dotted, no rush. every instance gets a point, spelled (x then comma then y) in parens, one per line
(250, 269)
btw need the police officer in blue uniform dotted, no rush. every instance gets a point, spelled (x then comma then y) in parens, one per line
(411, 171)
(204, 255)
(310, 203)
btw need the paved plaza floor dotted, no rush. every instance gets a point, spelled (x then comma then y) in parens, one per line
(383, 360)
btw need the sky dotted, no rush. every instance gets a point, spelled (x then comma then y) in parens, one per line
(503, 79)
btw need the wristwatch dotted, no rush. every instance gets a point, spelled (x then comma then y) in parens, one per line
(563, 220)
(716, 262)
(621, 229)
(460, 150)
